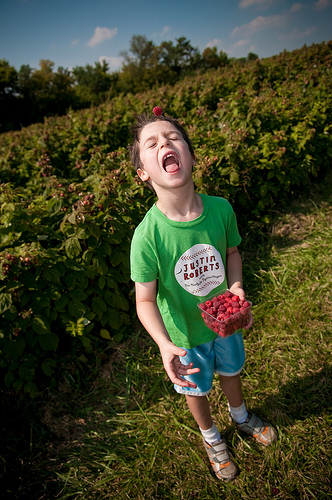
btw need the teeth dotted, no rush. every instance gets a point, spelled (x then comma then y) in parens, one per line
(172, 156)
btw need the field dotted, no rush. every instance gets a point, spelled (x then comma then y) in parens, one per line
(87, 410)
(122, 432)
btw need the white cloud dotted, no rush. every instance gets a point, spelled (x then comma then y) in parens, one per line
(165, 30)
(297, 34)
(240, 43)
(100, 35)
(114, 63)
(74, 42)
(323, 4)
(214, 43)
(260, 23)
(263, 4)
(296, 7)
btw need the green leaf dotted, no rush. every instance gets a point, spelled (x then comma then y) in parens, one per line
(106, 247)
(9, 379)
(77, 294)
(48, 366)
(234, 178)
(5, 301)
(94, 230)
(105, 334)
(10, 313)
(73, 247)
(40, 325)
(101, 282)
(100, 264)
(114, 319)
(25, 299)
(62, 302)
(49, 342)
(15, 348)
(52, 275)
(31, 388)
(119, 301)
(26, 373)
(98, 305)
(28, 280)
(76, 308)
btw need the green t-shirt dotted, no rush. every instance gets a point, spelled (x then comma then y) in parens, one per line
(188, 259)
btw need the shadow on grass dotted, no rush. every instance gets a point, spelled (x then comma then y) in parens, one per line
(302, 398)
(44, 444)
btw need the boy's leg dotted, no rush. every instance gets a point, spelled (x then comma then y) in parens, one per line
(200, 410)
(232, 388)
(214, 443)
(245, 421)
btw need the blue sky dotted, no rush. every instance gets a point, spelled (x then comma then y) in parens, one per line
(78, 32)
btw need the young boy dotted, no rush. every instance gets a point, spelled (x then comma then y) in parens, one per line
(186, 247)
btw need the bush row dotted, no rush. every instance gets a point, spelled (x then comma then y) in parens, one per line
(70, 200)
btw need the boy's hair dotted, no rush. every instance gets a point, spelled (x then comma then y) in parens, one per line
(143, 120)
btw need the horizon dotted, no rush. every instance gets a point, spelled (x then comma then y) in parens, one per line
(73, 33)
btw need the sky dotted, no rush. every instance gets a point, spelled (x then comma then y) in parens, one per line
(79, 32)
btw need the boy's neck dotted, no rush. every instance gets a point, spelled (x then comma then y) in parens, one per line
(180, 205)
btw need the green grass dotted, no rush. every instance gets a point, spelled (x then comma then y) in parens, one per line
(123, 433)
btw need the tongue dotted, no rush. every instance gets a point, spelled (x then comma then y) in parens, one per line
(171, 165)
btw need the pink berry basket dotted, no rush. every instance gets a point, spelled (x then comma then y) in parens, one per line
(224, 313)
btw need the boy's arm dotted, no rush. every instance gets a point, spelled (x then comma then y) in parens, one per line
(234, 275)
(149, 315)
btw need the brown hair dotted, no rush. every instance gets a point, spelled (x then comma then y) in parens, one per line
(143, 120)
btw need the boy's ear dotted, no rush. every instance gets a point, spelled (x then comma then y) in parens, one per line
(142, 174)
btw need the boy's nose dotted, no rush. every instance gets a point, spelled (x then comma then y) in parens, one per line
(164, 142)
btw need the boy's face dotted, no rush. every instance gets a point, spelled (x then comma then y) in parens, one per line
(165, 156)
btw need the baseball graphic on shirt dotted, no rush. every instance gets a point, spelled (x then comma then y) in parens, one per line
(200, 269)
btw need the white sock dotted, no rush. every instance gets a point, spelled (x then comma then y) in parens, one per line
(239, 413)
(211, 435)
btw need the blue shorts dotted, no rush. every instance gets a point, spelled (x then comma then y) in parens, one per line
(224, 356)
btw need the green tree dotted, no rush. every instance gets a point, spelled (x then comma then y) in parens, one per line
(211, 58)
(93, 83)
(8, 96)
(140, 69)
(44, 92)
(180, 58)
(252, 56)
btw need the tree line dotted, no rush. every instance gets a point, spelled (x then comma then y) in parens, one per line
(28, 95)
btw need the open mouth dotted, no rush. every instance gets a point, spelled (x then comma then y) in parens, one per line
(171, 163)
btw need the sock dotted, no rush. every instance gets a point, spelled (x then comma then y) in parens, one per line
(239, 413)
(211, 435)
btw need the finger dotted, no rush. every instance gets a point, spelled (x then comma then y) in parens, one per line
(187, 370)
(184, 383)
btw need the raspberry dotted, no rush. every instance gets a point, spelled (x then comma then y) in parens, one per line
(225, 313)
(157, 111)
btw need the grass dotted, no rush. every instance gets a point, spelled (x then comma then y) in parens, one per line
(123, 433)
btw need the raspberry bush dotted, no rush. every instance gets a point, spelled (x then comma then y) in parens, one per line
(70, 201)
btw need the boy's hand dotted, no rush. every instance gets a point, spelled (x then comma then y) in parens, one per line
(236, 290)
(173, 366)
